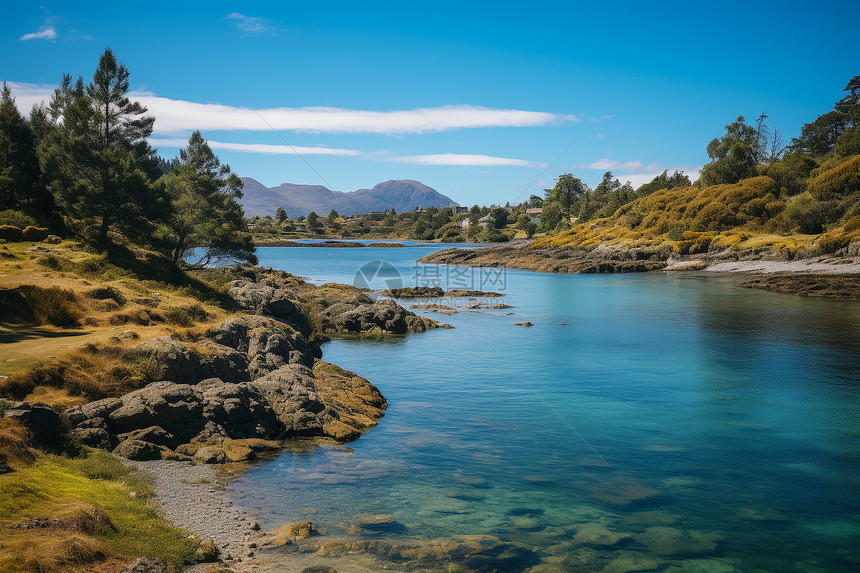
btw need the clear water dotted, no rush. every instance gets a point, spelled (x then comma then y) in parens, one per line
(638, 402)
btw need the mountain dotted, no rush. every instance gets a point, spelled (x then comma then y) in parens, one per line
(399, 194)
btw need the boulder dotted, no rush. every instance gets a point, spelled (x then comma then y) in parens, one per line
(146, 565)
(95, 438)
(152, 434)
(157, 404)
(139, 450)
(180, 362)
(297, 530)
(210, 455)
(207, 552)
(264, 299)
(266, 343)
(42, 421)
(237, 411)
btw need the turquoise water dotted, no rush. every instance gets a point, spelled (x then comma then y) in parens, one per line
(702, 424)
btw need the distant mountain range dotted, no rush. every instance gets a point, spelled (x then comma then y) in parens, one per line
(399, 194)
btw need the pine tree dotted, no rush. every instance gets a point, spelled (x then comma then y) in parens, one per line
(19, 164)
(96, 157)
(204, 208)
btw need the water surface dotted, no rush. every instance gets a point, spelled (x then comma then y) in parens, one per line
(705, 426)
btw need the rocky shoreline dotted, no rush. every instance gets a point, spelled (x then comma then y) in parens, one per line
(830, 276)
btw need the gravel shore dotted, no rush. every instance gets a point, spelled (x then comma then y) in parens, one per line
(191, 496)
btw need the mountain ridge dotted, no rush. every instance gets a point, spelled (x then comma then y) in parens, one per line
(299, 199)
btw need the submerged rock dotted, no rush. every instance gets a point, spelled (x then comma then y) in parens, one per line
(370, 524)
(671, 541)
(597, 534)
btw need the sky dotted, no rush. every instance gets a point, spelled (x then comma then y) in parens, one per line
(486, 102)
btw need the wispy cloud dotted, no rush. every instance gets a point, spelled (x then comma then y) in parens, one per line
(451, 159)
(465, 159)
(637, 179)
(176, 117)
(253, 25)
(44, 33)
(257, 147)
(605, 164)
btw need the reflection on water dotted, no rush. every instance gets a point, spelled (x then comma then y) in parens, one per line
(644, 423)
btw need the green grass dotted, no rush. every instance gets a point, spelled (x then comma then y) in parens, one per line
(54, 484)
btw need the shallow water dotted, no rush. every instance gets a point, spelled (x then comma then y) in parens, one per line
(704, 426)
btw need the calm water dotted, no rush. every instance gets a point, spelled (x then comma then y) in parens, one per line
(710, 427)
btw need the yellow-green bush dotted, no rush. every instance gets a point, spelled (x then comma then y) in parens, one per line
(35, 234)
(844, 179)
(11, 233)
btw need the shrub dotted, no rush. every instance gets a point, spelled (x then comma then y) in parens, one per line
(11, 233)
(16, 218)
(853, 224)
(844, 179)
(831, 242)
(29, 303)
(184, 315)
(35, 234)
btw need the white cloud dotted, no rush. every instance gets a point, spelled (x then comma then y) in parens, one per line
(465, 159)
(457, 159)
(605, 164)
(174, 117)
(44, 33)
(257, 147)
(252, 24)
(637, 179)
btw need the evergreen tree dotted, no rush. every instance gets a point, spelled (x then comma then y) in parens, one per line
(96, 158)
(19, 164)
(205, 212)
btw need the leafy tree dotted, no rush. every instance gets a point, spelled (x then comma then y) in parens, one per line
(733, 156)
(664, 181)
(19, 164)
(535, 201)
(314, 221)
(819, 137)
(96, 157)
(474, 215)
(524, 223)
(280, 215)
(550, 217)
(500, 216)
(332, 215)
(205, 211)
(566, 191)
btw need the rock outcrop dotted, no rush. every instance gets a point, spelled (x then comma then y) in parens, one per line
(290, 401)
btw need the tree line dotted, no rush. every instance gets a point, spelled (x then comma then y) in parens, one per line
(81, 165)
(816, 175)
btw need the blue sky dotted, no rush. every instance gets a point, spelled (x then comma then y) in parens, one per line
(486, 102)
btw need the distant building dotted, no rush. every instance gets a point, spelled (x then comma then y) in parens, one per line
(534, 214)
(457, 210)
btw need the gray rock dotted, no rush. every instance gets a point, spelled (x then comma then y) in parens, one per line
(40, 419)
(139, 450)
(157, 404)
(95, 438)
(169, 359)
(290, 393)
(146, 565)
(267, 343)
(210, 455)
(153, 434)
